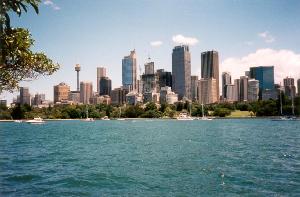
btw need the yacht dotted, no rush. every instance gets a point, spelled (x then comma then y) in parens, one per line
(37, 120)
(18, 121)
(184, 116)
(105, 118)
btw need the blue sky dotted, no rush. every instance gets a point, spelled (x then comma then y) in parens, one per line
(99, 33)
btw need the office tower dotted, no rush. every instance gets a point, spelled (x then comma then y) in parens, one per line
(164, 78)
(210, 67)
(150, 84)
(129, 75)
(118, 96)
(38, 99)
(25, 96)
(181, 71)
(247, 73)
(265, 76)
(86, 92)
(77, 69)
(167, 96)
(236, 89)
(289, 87)
(61, 92)
(101, 72)
(226, 80)
(243, 88)
(253, 90)
(74, 97)
(230, 93)
(149, 68)
(105, 86)
(194, 88)
(207, 91)
(298, 86)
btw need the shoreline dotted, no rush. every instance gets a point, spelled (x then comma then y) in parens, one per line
(217, 118)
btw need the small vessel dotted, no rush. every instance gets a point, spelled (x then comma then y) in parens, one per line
(203, 116)
(87, 119)
(18, 121)
(37, 120)
(105, 118)
(184, 116)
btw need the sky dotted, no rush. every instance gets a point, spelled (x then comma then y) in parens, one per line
(97, 33)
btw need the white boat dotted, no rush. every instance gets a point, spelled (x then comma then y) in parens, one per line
(105, 118)
(18, 121)
(87, 119)
(203, 117)
(37, 120)
(184, 116)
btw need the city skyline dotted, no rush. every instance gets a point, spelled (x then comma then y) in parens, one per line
(261, 39)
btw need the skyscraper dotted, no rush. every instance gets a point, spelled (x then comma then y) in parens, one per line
(243, 88)
(150, 83)
(61, 92)
(105, 86)
(181, 71)
(253, 90)
(25, 96)
(207, 91)
(149, 68)
(164, 78)
(210, 67)
(289, 87)
(194, 88)
(101, 72)
(230, 93)
(226, 80)
(129, 71)
(236, 89)
(86, 92)
(265, 76)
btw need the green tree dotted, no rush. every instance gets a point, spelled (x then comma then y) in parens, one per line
(18, 62)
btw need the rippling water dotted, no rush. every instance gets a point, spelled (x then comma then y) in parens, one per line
(150, 158)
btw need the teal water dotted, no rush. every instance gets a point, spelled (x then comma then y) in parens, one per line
(150, 158)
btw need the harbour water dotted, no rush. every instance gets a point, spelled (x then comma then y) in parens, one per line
(150, 158)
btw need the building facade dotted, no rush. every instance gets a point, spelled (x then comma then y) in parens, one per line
(194, 88)
(298, 86)
(118, 96)
(181, 71)
(86, 92)
(210, 67)
(243, 89)
(226, 80)
(253, 90)
(25, 97)
(164, 78)
(265, 76)
(105, 86)
(101, 72)
(230, 93)
(207, 91)
(289, 87)
(167, 96)
(61, 92)
(236, 89)
(129, 72)
(74, 97)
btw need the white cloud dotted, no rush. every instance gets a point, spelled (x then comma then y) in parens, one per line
(180, 39)
(267, 37)
(156, 43)
(285, 62)
(51, 4)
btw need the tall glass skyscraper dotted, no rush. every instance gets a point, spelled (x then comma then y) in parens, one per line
(129, 71)
(181, 71)
(210, 67)
(265, 76)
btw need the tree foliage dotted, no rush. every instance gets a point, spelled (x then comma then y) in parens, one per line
(18, 61)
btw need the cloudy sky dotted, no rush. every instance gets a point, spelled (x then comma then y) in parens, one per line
(99, 33)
